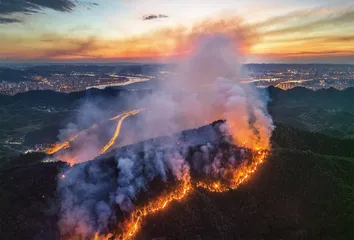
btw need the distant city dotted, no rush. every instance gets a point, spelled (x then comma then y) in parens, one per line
(312, 76)
(72, 78)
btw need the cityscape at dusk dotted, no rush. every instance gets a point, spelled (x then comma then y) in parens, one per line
(74, 78)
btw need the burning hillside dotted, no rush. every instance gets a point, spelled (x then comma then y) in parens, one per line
(109, 197)
(150, 174)
(287, 197)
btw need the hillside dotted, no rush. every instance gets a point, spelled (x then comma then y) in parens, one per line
(329, 111)
(295, 195)
(300, 192)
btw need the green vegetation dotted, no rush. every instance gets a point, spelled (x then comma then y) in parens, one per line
(327, 111)
(16, 122)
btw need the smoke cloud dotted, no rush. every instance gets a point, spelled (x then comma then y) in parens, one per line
(207, 88)
(93, 125)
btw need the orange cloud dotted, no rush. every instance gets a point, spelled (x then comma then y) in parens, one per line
(303, 34)
(176, 41)
(315, 32)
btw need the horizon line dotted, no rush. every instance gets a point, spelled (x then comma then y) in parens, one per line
(158, 63)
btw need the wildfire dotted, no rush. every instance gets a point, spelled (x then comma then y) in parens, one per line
(131, 226)
(63, 145)
(128, 229)
(117, 131)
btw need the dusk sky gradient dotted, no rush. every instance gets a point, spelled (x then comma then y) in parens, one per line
(281, 31)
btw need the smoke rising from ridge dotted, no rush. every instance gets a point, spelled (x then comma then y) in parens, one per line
(207, 88)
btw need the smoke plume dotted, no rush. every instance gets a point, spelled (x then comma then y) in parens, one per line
(207, 88)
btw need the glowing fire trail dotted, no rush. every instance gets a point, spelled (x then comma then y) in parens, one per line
(133, 225)
(59, 146)
(117, 131)
(118, 116)
(63, 145)
(239, 176)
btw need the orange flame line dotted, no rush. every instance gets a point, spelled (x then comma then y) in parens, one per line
(239, 176)
(63, 145)
(118, 116)
(117, 131)
(58, 147)
(132, 225)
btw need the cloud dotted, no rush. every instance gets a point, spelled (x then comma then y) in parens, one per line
(165, 42)
(4, 20)
(179, 40)
(306, 21)
(27, 7)
(318, 32)
(152, 17)
(70, 47)
(32, 6)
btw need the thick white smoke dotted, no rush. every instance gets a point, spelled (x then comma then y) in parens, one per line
(92, 127)
(135, 173)
(207, 88)
(90, 191)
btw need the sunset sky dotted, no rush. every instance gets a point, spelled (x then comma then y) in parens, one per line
(282, 31)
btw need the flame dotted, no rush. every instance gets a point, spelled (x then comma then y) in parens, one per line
(131, 226)
(128, 229)
(57, 147)
(117, 131)
(238, 176)
(118, 116)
